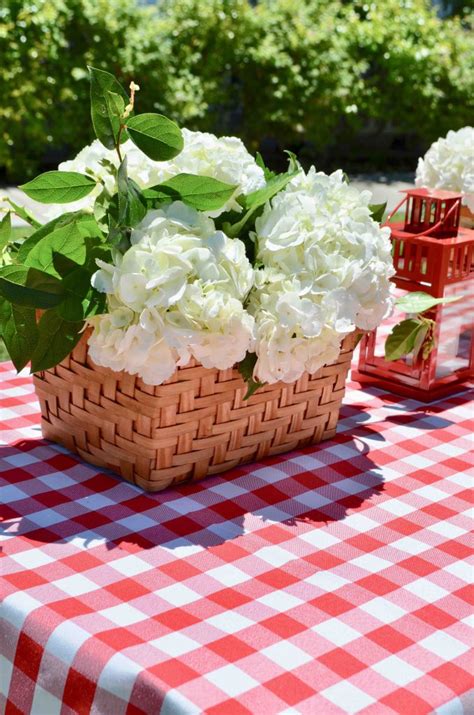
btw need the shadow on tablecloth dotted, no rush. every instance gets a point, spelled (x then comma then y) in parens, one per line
(68, 501)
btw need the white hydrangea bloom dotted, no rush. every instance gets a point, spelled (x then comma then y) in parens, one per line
(177, 292)
(224, 158)
(87, 161)
(99, 162)
(291, 336)
(92, 158)
(180, 290)
(327, 272)
(449, 164)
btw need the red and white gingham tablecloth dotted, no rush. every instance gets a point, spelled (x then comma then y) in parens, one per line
(330, 580)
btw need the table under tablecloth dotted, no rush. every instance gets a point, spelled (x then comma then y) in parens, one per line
(330, 580)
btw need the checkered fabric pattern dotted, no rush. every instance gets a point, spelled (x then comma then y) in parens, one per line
(330, 580)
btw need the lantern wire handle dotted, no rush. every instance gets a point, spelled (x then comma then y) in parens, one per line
(394, 211)
(431, 228)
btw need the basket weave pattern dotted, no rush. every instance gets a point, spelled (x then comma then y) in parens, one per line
(195, 424)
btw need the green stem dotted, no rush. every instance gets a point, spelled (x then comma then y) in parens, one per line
(117, 146)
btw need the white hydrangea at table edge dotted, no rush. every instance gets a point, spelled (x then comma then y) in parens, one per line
(177, 292)
(326, 270)
(449, 164)
(223, 158)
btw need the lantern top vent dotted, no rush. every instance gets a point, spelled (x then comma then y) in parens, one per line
(432, 212)
(440, 194)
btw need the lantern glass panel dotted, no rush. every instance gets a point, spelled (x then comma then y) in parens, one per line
(384, 330)
(455, 329)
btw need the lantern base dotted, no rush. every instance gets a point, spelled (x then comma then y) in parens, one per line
(415, 393)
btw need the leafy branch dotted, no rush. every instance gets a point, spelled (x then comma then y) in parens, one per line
(416, 334)
(45, 282)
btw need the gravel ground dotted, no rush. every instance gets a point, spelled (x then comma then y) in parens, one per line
(384, 187)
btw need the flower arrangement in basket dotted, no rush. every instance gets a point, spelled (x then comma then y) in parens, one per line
(189, 310)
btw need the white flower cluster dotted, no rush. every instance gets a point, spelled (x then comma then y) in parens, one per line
(449, 164)
(225, 159)
(180, 290)
(184, 289)
(326, 270)
(177, 292)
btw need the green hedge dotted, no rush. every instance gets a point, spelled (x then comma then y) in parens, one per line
(312, 73)
(45, 46)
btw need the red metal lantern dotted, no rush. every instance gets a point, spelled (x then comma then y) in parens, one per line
(431, 253)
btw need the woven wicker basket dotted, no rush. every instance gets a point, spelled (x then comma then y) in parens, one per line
(195, 424)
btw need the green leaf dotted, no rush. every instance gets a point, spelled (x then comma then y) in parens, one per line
(29, 287)
(94, 249)
(56, 338)
(115, 105)
(94, 252)
(136, 205)
(132, 206)
(67, 241)
(201, 192)
(257, 199)
(95, 303)
(86, 224)
(19, 332)
(115, 109)
(118, 236)
(274, 186)
(252, 387)
(293, 163)
(266, 171)
(5, 231)
(418, 301)
(41, 232)
(81, 299)
(63, 265)
(402, 339)
(23, 213)
(103, 107)
(246, 368)
(157, 136)
(420, 338)
(76, 284)
(59, 187)
(377, 211)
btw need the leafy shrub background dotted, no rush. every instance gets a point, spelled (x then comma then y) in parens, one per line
(337, 81)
